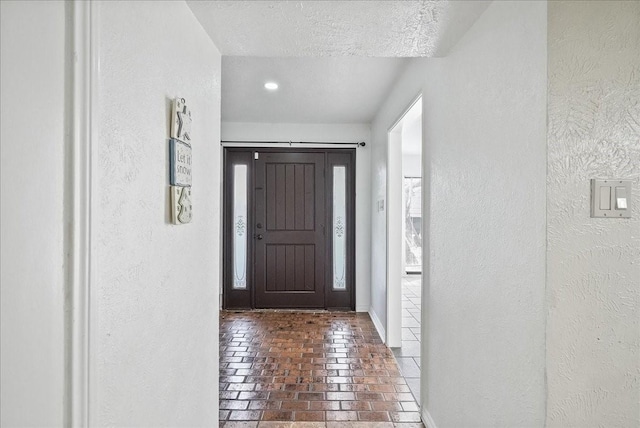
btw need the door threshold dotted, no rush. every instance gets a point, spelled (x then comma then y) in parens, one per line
(292, 310)
(313, 311)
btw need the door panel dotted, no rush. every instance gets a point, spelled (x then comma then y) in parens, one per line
(289, 199)
(290, 267)
(290, 230)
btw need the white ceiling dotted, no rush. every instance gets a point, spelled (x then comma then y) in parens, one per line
(312, 90)
(335, 61)
(320, 28)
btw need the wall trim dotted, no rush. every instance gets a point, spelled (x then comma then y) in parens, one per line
(79, 273)
(394, 226)
(378, 325)
(427, 419)
(393, 212)
(361, 308)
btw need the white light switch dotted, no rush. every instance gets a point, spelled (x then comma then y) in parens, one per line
(621, 198)
(605, 198)
(611, 198)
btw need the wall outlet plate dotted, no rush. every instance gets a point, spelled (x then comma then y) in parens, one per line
(611, 198)
(181, 208)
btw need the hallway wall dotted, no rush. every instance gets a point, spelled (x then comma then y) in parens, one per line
(485, 133)
(154, 305)
(335, 132)
(32, 90)
(593, 297)
(484, 115)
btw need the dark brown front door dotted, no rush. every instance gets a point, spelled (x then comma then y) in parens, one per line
(290, 230)
(289, 223)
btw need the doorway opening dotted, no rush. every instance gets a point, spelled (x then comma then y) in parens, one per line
(289, 228)
(404, 258)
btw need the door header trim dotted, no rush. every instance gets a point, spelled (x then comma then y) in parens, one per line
(292, 144)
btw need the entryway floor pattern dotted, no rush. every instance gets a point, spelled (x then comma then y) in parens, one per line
(309, 369)
(408, 356)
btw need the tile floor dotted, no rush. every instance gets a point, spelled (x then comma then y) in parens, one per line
(408, 356)
(309, 369)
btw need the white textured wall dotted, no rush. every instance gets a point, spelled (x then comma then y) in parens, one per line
(411, 165)
(154, 313)
(484, 110)
(593, 324)
(32, 151)
(412, 147)
(336, 132)
(406, 90)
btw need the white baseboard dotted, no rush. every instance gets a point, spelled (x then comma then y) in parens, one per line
(427, 419)
(362, 308)
(378, 325)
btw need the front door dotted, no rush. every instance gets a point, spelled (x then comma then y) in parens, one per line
(289, 228)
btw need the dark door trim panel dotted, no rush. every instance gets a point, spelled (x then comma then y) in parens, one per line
(233, 297)
(341, 299)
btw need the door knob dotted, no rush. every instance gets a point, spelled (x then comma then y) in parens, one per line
(259, 236)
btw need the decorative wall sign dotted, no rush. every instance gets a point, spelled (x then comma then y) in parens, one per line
(179, 163)
(181, 209)
(181, 121)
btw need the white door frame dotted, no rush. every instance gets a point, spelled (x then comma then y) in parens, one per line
(395, 229)
(82, 76)
(394, 236)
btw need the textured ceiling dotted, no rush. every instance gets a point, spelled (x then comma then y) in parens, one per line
(321, 28)
(312, 90)
(336, 28)
(335, 61)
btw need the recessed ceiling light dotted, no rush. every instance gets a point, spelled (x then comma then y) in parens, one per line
(272, 86)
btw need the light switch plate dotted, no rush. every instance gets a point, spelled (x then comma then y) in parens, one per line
(181, 208)
(611, 198)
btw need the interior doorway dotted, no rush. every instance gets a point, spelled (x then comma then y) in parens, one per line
(404, 258)
(289, 228)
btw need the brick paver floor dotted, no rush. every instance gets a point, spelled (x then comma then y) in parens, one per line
(309, 369)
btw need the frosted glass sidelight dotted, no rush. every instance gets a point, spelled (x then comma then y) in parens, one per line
(240, 226)
(339, 227)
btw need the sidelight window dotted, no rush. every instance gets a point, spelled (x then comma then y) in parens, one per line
(339, 227)
(240, 226)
